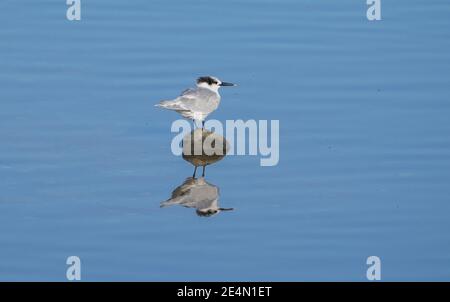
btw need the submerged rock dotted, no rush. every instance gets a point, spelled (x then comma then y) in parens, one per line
(202, 147)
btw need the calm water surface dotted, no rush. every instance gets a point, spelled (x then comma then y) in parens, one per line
(364, 165)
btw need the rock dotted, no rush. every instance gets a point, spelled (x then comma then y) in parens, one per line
(202, 147)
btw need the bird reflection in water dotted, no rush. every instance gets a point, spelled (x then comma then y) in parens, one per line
(200, 148)
(199, 194)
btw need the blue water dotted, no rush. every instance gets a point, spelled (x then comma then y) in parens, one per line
(364, 164)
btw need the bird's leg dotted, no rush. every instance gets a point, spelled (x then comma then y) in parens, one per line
(203, 124)
(195, 171)
(203, 172)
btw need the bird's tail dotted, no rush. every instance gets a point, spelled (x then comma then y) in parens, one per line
(161, 104)
(170, 202)
(171, 105)
(166, 104)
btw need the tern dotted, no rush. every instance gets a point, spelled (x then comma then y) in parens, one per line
(197, 103)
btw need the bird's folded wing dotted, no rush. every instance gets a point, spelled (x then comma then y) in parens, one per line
(187, 92)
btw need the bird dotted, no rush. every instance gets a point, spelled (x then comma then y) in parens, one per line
(197, 103)
(199, 194)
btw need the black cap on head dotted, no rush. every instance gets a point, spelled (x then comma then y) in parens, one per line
(207, 213)
(207, 79)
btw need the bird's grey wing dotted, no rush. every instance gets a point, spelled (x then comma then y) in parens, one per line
(180, 193)
(189, 91)
(184, 188)
(181, 103)
(195, 99)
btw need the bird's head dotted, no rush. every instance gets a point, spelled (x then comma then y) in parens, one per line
(212, 83)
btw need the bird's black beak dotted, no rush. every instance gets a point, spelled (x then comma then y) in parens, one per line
(226, 209)
(227, 84)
